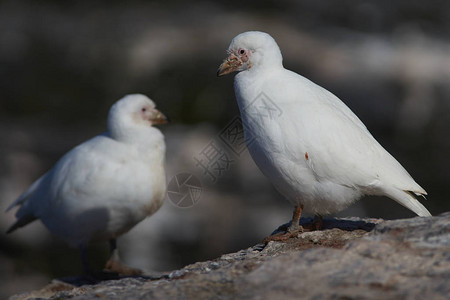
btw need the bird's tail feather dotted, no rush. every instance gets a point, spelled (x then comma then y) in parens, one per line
(21, 222)
(25, 195)
(407, 199)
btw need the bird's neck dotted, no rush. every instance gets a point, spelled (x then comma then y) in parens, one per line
(250, 84)
(255, 98)
(145, 137)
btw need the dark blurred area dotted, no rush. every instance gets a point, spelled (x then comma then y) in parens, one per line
(63, 64)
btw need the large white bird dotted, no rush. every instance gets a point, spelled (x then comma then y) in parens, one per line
(310, 145)
(104, 186)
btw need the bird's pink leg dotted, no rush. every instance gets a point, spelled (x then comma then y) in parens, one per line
(318, 222)
(293, 230)
(294, 227)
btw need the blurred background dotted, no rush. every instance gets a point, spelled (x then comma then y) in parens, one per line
(63, 65)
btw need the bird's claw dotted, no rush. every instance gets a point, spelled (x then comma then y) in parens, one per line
(291, 232)
(115, 266)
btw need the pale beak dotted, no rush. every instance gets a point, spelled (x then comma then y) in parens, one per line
(159, 118)
(231, 64)
(225, 68)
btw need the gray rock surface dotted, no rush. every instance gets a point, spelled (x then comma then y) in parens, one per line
(349, 259)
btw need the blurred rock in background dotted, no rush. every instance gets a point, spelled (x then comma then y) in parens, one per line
(63, 65)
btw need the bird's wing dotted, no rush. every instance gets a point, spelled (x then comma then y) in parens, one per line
(97, 171)
(91, 173)
(334, 136)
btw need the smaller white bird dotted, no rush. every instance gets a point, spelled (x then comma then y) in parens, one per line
(311, 146)
(103, 187)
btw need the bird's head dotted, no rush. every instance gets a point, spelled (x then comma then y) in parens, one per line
(133, 112)
(251, 49)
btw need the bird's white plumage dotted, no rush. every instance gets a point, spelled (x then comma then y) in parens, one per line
(315, 151)
(106, 185)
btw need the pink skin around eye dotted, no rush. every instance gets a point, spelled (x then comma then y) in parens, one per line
(243, 55)
(145, 113)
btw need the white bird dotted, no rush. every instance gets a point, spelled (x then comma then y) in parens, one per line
(310, 145)
(104, 186)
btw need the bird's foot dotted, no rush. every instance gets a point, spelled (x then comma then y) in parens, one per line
(116, 266)
(284, 236)
(316, 225)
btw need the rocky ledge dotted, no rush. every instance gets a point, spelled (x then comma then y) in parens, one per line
(349, 259)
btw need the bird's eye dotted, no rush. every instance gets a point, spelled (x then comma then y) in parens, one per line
(241, 51)
(144, 109)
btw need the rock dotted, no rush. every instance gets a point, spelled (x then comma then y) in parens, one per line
(349, 259)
